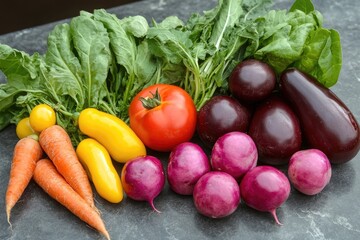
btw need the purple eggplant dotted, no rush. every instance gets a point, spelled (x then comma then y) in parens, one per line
(327, 123)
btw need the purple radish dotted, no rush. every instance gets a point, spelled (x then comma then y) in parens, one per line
(187, 163)
(265, 188)
(309, 171)
(234, 153)
(216, 194)
(143, 179)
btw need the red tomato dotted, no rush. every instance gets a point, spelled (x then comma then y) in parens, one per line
(163, 116)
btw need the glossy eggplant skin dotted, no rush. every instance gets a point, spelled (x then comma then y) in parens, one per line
(220, 115)
(327, 123)
(275, 130)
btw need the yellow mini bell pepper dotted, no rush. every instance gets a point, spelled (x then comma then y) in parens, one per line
(97, 162)
(113, 133)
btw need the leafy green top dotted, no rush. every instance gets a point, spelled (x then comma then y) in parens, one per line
(101, 61)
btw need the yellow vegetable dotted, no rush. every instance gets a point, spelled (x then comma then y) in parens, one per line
(115, 135)
(24, 129)
(97, 162)
(42, 116)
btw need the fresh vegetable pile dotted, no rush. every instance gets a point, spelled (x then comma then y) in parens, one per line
(246, 81)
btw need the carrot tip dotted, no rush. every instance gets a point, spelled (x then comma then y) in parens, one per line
(8, 210)
(107, 235)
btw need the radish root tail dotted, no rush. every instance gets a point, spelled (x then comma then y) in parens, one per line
(273, 213)
(153, 206)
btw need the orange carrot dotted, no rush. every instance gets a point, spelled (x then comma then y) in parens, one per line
(50, 180)
(57, 145)
(26, 153)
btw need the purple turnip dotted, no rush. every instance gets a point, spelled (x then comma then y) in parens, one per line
(143, 179)
(234, 153)
(309, 171)
(265, 188)
(216, 194)
(187, 163)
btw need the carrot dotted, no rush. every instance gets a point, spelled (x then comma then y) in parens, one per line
(26, 153)
(57, 145)
(50, 180)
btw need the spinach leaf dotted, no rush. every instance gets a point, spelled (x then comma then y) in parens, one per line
(21, 71)
(19, 67)
(91, 42)
(123, 46)
(322, 56)
(130, 54)
(305, 6)
(298, 39)
(65, 71)
(283, 37)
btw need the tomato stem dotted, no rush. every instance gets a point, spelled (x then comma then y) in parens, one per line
(151, 102)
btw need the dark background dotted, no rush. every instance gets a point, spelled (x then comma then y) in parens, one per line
(20, 14)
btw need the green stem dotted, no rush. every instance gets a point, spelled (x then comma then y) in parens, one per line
(151, 102)
(108, 109)
(129, 84)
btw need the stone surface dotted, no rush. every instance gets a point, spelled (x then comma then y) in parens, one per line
(333, 214)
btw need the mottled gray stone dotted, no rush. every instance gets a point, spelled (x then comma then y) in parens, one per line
(333, 214)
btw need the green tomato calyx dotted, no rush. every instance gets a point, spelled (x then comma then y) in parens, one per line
(151, 102)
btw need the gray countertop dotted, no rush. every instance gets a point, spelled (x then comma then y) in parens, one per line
(332, 214)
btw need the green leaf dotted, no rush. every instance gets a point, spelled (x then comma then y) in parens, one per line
(229, 14)
(8, 96)
(255, 8)
(21, 71)
(145, 66)
(122, 44)
(91, 42)
(5, 119)
(19, 67)
(283, 37)
(170, 22)
(172, 44)
(322, 57)
(136, 26)
(65, 71)
(305, 6)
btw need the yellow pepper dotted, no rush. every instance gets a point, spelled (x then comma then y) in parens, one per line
(113, 133)
(97, 162)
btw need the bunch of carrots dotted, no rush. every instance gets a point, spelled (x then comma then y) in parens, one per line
(50, 159)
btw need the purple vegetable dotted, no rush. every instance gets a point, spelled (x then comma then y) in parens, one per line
(309, 171)
(234, 153)
(216, 194)
(327, 123)
(220, 115)
(276, 131)
(187, 163)
(265, 188)
(143, 179)
(252, 80)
